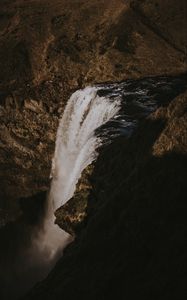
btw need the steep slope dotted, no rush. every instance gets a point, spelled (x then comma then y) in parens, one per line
(132, 244)
(50, 48)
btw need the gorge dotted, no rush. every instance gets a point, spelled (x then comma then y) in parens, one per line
(93, 142)
(93, 119)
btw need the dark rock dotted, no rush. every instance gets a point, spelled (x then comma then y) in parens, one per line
(133, 242)
(48, 50)
(131, 245)
(70, 217)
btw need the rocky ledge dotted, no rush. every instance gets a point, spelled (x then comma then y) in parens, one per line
(70, 217)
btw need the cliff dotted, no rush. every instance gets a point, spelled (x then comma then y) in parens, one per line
(132, 243)
(49, 49)
(129, 217)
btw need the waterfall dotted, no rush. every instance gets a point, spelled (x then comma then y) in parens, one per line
(76, 145)
(93, 116)
(121, 106)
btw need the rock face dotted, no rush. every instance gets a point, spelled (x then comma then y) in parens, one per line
(78, 39)
(174, 136)
(70, 217)
(160, 91)
(49, 49)
(132, 243)
(128, 212)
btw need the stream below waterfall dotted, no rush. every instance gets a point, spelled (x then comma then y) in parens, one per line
(93, 116)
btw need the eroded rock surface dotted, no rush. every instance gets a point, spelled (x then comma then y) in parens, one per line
(174, 136)
(70, 217)
(133, 241)
(131, 244)
(49, 49)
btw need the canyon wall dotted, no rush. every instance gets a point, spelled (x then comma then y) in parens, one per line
(130, 242)
(49, 49)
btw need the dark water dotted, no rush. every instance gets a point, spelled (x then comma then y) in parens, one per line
(138, 99)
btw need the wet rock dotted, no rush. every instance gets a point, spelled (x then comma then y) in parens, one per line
(71, 216)
(134, 238)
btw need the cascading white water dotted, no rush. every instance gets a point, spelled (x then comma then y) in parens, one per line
(76, 143)
(75, 149)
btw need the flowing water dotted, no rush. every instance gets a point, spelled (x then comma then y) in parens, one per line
(76, 142)
(75, 149)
